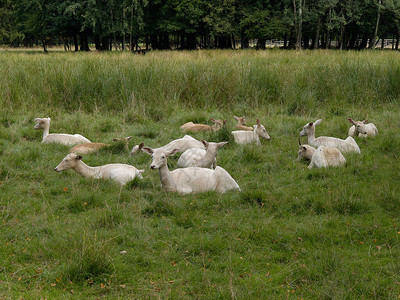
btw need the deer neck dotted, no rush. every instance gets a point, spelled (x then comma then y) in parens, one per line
(208, 158)
(86, 171)
(166, 179)
(46, 131)
(311, 137)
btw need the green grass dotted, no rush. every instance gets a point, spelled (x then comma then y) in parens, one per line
(292, 232)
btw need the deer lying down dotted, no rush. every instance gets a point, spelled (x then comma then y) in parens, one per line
(362, 129)
(344, 146)
(196, 157)
(322, 157)
(182, 144)
(190, 180)
(58, 138)
(192, 127)
(247, 137)
(87, 148)
(121, 173)
(241, 125)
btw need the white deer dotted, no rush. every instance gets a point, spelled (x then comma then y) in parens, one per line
(192, 127)
(362, 129)
(247, 137)
(344, 146)
(322, 157)
(121, 173)
(182, 144)
(59, 138)
(190, 180)
(196, 157)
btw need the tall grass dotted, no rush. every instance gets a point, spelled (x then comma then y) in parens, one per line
(298, 83)
(291, 233)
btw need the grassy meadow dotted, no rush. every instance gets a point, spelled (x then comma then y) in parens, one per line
(291, 233)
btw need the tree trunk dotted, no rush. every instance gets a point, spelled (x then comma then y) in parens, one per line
(123, 28)
(154, 41)
(397, 40)
(316, 39)
(244, 40)
(373, 41)
(328, 31)
(44, 43)
(298, 22)
(97, 42)
(341, 38)
(383, 42)
(76, 43)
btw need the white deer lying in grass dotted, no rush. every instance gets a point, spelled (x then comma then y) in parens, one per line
(241, 125)
(93, 147)
(362, 129)
(344, 146)
(196, 157)
(121, 173)
(192, 127)
(190, 180)
(322, 157)
(59, 138)
(247, 137)
(182, 144)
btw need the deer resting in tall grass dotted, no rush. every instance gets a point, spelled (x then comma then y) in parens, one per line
(362, 129)
(192, 127)
(182, 144)
(344, 146)
(322, 157)
(241, 125)
(192, 179)
(196, 157)
(247, 137)
(121, 173)
(87, 148)
(58, 138)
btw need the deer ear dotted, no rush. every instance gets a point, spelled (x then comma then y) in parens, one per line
(141, 145)
(350, 120)
(304, 148)
(317, 122)
(365, 121)
(172, 152)
(213, 120)
(115, 140)
(224, 122)
(205, 143)
(128, 138)
(79, 157)
(258, 122)
(236, 118)
(222, 144)
(148, 150)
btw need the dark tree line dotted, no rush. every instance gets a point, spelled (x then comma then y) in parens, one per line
(198, 24)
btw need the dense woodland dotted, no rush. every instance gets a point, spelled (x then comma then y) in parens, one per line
(198, 24)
